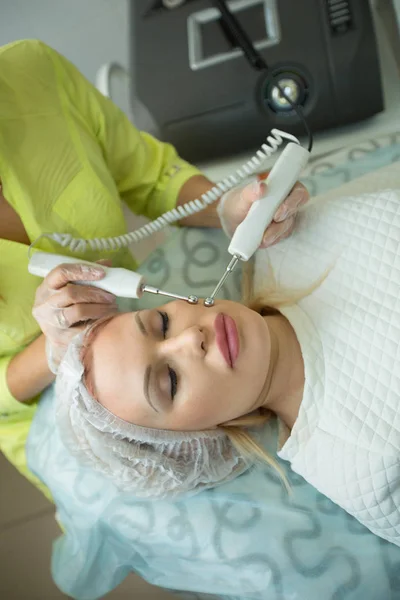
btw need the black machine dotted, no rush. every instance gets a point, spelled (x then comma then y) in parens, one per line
(208, 101)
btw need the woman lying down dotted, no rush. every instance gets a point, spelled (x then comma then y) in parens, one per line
(170, 402)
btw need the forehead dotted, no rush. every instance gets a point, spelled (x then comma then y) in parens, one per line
(113, 328)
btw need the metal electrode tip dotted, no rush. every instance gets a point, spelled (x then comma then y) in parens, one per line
(234, 261)
(193, 299)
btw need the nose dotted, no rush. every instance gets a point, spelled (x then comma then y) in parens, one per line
(191, 341)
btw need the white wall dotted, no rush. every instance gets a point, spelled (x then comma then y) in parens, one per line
(88, 32)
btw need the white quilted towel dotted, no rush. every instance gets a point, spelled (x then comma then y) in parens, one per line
(346, 440)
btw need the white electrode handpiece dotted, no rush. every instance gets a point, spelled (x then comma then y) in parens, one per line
(284, 174)
(117, 281)
(249, 234)
(120, 282)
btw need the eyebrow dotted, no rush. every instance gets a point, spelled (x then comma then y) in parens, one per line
(146, 387)
(140, 323)
(147, 375)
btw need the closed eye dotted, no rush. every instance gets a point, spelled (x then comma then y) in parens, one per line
(171, 372)
(174, 382)
(164, 322)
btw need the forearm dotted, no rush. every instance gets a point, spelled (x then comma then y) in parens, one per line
(192, 189)
(28, 373)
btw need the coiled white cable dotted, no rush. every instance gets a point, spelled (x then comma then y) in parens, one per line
(176, 214)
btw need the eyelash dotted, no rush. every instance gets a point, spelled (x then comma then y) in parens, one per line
(172, 374)
(174, 382)
(165, 323)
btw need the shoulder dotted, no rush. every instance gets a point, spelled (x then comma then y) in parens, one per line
(34, 76)
(26, 53)
(27, 75)
(34, 60)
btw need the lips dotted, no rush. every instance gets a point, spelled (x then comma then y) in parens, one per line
(227, 338)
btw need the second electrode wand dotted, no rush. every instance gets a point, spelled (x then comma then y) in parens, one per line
(120, 282)
(248, 235)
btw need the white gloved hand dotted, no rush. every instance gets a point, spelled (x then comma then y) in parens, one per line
(63, 309)
(235, 204)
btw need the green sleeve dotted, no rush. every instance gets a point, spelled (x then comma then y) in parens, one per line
(8, 404)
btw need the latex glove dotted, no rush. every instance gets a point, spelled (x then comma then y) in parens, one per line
(235, 205)
(62, 309)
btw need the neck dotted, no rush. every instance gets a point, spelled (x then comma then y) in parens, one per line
(285, 381)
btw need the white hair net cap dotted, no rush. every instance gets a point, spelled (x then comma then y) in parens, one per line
(150, 463)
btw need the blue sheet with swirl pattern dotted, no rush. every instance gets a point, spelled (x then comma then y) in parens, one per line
(245, 540)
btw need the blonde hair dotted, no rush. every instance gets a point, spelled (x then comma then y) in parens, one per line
(244, 442)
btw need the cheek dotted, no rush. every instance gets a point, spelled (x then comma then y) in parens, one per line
(202, 402)
(218, 399)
